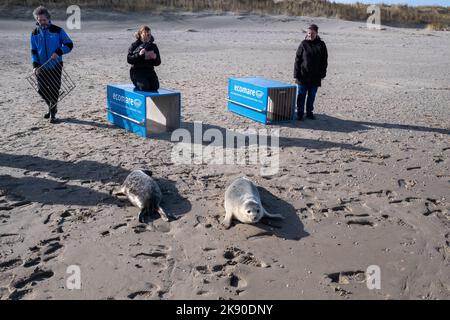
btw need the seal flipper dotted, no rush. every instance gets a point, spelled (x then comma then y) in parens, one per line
(275, 215)
(141, 215)
(163, 214)
(118, 191)
(227, 221)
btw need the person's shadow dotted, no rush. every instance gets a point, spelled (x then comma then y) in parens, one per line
(216, 132)
(329, 123)
(51, 192)
(90, 123)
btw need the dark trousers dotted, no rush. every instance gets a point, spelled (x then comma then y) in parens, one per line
(144, 80)
(49, 84)
(303, 92)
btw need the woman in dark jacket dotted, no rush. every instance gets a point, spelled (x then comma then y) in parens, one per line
(143, 55)
(310, 68)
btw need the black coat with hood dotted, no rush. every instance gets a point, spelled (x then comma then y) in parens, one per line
(311, 62)
(137, 61)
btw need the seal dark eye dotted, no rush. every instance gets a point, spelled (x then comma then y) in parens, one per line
(257, 211)
(248, 211)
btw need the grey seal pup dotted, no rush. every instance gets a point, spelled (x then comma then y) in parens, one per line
(243, 202)
(144, 193)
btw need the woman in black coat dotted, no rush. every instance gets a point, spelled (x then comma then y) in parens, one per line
(143, 55)
(310, 68)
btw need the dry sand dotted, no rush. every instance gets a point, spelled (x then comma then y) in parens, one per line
(365, 184)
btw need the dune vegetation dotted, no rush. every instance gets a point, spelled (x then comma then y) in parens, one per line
(431, 17)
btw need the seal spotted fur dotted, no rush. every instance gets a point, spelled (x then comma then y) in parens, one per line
(144, 193)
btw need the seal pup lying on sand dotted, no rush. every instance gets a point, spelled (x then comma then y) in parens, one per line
(242, 202)
(144, 193)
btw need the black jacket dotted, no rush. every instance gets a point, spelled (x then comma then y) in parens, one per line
(311, 62)
(139, 62)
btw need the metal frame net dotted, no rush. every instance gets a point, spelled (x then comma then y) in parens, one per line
(51, 82)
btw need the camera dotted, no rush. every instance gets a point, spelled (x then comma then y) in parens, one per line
(147, 46)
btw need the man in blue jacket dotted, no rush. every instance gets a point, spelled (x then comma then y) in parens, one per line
(48, 43)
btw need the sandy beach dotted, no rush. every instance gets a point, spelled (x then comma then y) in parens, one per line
(365, 184)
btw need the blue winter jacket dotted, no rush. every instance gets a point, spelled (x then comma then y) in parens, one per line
(46, 41)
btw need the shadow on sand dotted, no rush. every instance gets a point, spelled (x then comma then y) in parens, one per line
(218, 131)
(325, 122)
(88, 123)
(49, 191)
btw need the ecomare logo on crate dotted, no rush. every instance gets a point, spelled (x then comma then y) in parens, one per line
(127, 100)
(248, 91)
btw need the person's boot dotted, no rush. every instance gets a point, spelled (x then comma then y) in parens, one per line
(299, 117)
(53, 119)
(310, 116)
(51, 112)
(53, 115)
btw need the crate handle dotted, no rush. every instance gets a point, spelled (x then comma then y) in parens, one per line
(125, 117)
(245, 106)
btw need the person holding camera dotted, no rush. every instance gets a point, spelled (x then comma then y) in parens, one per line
(143, 55)
(311, 62)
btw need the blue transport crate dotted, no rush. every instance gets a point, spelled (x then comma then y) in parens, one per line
(261, 99)
(143, 112)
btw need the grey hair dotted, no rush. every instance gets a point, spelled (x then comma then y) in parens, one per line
(41, 10)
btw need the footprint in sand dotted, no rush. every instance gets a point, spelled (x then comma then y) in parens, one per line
(343, 278)
(201, 292)
(20, 287)
(32, 262)
(120, 225)
(237, 282)
(45, 251)
(154, 259)
(407, 184)
(437, 208)
(19, 294)
(229, 271)
(347, 277)
(4, 217)
(150, 291)
(10, 239)
(202, 269)
(202, 221)
(157, 256)
(157, 225)
(362, 222)
(235, 255)
(10, 264)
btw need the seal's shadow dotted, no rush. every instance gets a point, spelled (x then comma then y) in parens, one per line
(172, 202)
(291, 228)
